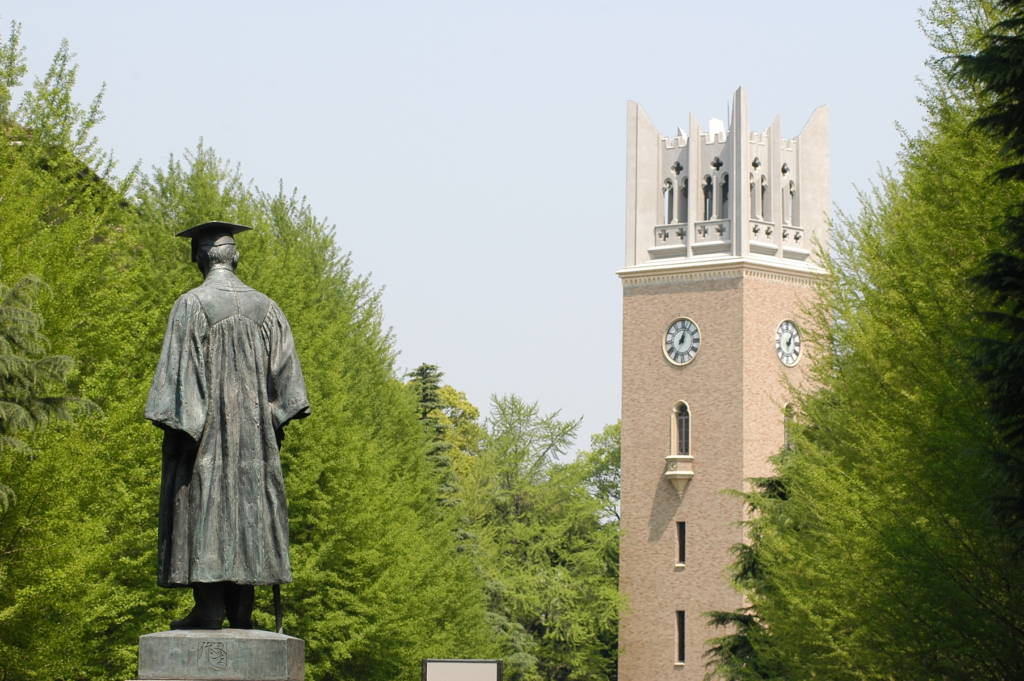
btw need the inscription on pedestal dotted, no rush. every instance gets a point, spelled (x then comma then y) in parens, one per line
(212, 655)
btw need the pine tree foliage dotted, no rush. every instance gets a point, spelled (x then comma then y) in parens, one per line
(603, 463)
(997, 69)
(33, 384)
(12, 70)
(541, 531)
(61, 224)
(425, 383)
(745, 652)
(523, 567)
(50, 112)
(546, 546)
(379, 580)
(874, 554)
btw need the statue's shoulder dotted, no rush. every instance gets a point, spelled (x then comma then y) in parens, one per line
(274, 310)
(186, 311)
(186, 298)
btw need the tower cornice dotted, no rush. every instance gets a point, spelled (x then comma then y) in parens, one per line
(657, 273)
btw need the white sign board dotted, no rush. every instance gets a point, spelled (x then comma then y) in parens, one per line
(462, 670)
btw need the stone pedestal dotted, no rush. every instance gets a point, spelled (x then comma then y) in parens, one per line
(228, 655)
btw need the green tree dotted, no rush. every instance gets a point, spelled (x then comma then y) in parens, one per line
(997, 68)
(874, 552)
(465, 432)
(68, 541)
(549, 552)
(603, 467)
(379, 578)
(744, 652)
(425, 383)
(33, 384)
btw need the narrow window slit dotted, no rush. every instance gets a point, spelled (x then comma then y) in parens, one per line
(766, 206)
(681, 636)
(684, 200)
(724, 212)
(669, 202)
(709, 197)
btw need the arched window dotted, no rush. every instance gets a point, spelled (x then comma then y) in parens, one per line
(709, 197)
(669, 201)
(684, 200)
(766, 206)
(724, 212)
(682, 430)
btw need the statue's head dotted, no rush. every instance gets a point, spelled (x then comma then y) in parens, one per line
(212, 253)
(213, 245)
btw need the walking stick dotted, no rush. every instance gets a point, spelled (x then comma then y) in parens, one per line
(278, 615)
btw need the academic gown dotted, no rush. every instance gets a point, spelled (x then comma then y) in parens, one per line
(227, 382)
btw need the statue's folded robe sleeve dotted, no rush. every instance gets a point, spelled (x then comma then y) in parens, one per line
(286, 388)
(178, 395)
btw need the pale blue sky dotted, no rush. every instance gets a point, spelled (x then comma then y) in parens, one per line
(472, 155)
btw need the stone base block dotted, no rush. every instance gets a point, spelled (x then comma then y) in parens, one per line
(228, 655)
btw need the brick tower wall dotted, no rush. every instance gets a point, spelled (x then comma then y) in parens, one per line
(735, 392)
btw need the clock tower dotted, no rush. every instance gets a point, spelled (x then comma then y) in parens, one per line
(721, 231)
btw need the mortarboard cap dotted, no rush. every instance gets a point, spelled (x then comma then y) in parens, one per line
(214, 233)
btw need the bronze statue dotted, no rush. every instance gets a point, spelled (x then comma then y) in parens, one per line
(227, 383)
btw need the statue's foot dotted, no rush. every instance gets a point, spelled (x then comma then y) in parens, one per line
(193, 621)
(240, 625)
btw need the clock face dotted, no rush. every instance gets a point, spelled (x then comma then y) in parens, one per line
(787, 343)
(682, 340)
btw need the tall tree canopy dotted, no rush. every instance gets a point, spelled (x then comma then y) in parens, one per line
(519, 560)
(997, 68)
(32, 383)
(874, 551)
(425, 383)
(379, 580)
(548, 540)
(542, 531)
